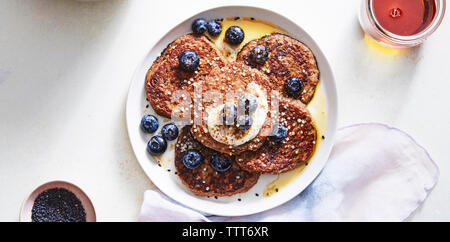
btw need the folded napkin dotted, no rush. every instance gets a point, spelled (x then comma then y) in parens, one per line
(374, 173)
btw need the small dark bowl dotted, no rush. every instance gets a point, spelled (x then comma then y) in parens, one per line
(27, 206)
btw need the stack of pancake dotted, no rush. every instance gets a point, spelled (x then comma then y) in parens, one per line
(253, 153)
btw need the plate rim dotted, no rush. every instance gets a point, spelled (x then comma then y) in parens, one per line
(330, 129)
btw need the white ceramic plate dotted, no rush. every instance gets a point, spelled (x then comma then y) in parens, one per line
(248, 203)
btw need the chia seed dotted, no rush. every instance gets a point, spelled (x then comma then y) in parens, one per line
(57, 205)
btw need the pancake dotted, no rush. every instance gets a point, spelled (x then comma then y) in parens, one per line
(295, 149)
(204, 180)
(288, 57)
(165, 77)
(239, 79)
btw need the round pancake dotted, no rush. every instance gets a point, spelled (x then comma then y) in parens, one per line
(296, 148)
(204, 180)
(288, 57)
(165, 77)
(234, 77)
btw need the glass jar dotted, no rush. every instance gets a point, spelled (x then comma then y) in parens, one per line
(377, 32)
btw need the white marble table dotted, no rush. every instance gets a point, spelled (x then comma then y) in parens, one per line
(65, 68)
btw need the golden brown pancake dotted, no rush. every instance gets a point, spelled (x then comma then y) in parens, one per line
(204, 180)
(295, 149)
(288, 57)
(165, 77)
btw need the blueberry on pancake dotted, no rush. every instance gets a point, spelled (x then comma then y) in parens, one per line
(188, 60)
(259, 55)
(192, 159)
(287, 58)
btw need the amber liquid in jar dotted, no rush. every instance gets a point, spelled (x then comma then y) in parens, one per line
(404, 17)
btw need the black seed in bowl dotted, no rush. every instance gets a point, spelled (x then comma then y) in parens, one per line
(57, 205)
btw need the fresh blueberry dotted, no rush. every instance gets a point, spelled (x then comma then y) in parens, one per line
(259, 55)
(281, 133)
(189, 60)
(192, 159)
(247, 102)
(244, 122)
(149, 124)
(157, 145)
(214, 28)
(294, 86)
(229, 114)
(234, 35)
(199, 26)
(169, 131)
(220, 163)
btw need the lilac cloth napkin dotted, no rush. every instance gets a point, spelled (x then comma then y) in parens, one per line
(374, 173)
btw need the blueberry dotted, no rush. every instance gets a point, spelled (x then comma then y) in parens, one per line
(189, 60)
(234, 35)
(199, 26)
(259, 55)
(281, 133)
(294, 86)
(214, 28)
(248, 102)
(157, 145)
(192, 159)
(229, 114)
(220, 163)
(244, 122)
(169, 131)
(149, 124)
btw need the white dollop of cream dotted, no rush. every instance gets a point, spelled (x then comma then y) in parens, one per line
(228, 134)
